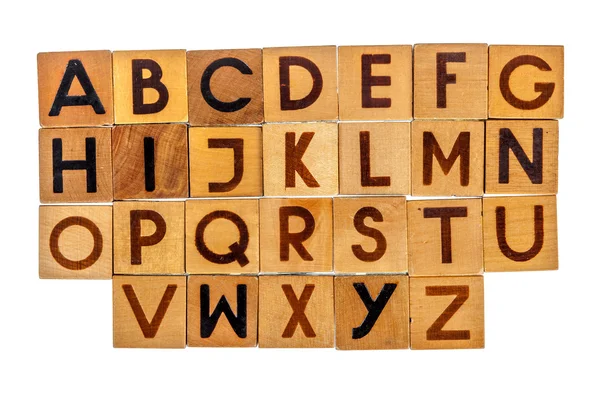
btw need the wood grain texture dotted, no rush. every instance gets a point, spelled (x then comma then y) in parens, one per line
(212, 227)
(220, 332)
(463, 327)
(520, 233)
(158, 246)
(218, 168)
(389, 329)
(227, 82)
(374, 158)
(75, 242)
(514, 73)
(161, 309)
(464, 99)
(366, 251)
(308, 324)
(170, 146)
(97, 66)
(434, 145)
(73, 144)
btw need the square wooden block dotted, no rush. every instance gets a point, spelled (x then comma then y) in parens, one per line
(447, 313)
(296, 235)
(75, 242)
(300, 84)
(150, 86)
(370, 234)
(150, 161)
(374, 157)
(521, 157)
(75, 165)
(301, 159)
(225, 87)
(520, 233)
(221, 236)
(526, 82)
(445, 237)
(295, 311)
(371, 312)
(149, 311)
(149, 237)
(222, 311)
(447, 158)
(375, 83)
(450, 81)
(75, 88)
(226, 161)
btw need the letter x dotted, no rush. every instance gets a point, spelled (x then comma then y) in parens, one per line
(298, 306)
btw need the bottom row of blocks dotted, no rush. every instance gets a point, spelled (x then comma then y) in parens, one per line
(359, 312)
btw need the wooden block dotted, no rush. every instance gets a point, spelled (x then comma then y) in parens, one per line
(302, 159)
(225, 87)
(149, 311)
(374, 158)
(295, 311)
(75, 242)
(447, 313)
(520, 233)
(370, 234)
(375, 83)
(450, 81)
(222, 236)
(75, 88)
(447, 158)
(521, 157)
(296, 235)
(149, 237)
(371, 312)
(445, 237)
(222, 311)
(150, 86)
(75, 165)
(150, 161)
(226, 161)
(300, 84)
(526, 82)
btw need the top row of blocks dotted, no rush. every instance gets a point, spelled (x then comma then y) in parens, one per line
(298, 84)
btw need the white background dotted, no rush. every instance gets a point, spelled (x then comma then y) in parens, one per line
(541, 328)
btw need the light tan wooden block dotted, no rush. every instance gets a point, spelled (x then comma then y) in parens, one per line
(445, 237)
(222, 311)
(447, 158)
(83, 161)
(375, 83)
(75, 88)
(226, 161)
(296, 235)
(374, 158)
(149, 311)
(150, 86)
(447, 313)
(149, 237)
(75, 242)
(370, 234)
(150, 161)
(371, 312)
(222, 236)
(225, 87)
(295, 311)
(520, 233)
(450, 81)
(301, 159)
(300, 84)
(526, 82)
(521, 157)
